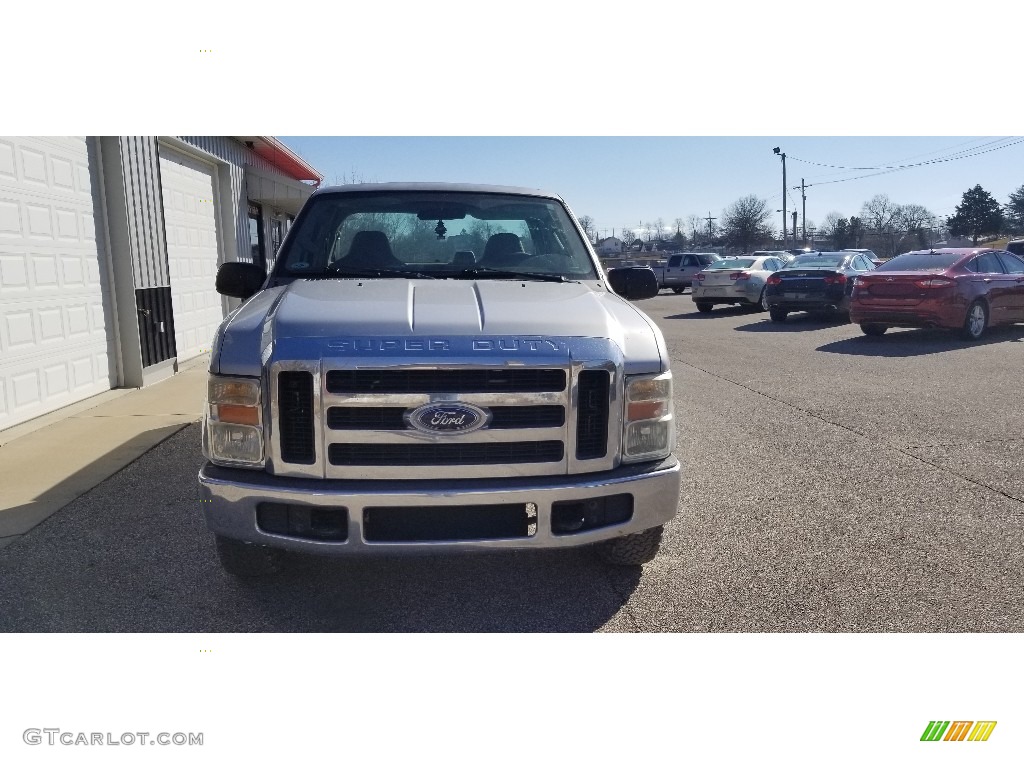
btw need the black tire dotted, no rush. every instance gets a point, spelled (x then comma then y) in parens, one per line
(632, 549)
(705, 308)
(247, 560)
(778, 315)
(873, 329)
(975, 324)
(762, 302)
(677, 290)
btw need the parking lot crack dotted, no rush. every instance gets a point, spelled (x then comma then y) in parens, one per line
(904, 451)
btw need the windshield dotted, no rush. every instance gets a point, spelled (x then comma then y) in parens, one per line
(732, 264)
(917, 262)
(434, 234)
(816, 261)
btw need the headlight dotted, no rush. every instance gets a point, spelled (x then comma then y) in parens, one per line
(233, 422)
(648, 427)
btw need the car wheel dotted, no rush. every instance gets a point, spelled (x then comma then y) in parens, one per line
(778, 315)
(705, 308)
(677, 290)
(873, 329)
(247, 560)
(763, 301)
(632, 549)
(976, 321)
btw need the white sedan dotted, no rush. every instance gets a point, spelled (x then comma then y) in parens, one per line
(736, 280)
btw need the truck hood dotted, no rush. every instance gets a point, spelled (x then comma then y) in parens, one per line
(340, 312)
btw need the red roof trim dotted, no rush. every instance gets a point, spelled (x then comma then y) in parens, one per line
(282, 158)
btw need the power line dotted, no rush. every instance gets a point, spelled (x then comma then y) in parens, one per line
(890, 169)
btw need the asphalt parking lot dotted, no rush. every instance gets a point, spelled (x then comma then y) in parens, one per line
(832, 482)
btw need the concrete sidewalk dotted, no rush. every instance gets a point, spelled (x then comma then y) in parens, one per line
(51, 461)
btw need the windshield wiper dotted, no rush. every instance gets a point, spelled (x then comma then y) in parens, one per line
(375, 272)
(509, 275)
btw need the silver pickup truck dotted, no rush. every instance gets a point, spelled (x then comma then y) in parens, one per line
(436, 367)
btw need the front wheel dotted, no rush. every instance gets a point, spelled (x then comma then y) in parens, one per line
(247, 560)
(778, 315)
(632, 549)
(873, 329)
(976, 321)
(705, 308)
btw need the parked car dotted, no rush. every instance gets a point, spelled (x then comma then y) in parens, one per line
(681, 267)
(739, 280)
(820, 281)
(969, 289)
(867, 252)
(783, 256)
(1016, 247)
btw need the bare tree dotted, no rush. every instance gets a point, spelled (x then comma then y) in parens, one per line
(695, 224)
(909, 221)
(587, 222)
(879, 216)
(879, 212)
(628, 238)
(745, 222)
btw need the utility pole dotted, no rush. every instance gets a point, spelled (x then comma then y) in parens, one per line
(803, 226)
(794, 227)
(709, 219)
(778, 151)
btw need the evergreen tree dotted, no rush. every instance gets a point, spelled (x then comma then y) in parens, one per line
(1015, 210)
(978, 214)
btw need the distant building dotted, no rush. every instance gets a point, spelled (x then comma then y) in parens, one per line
(610, 246)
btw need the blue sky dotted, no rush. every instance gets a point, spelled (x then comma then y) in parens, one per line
(621, 181)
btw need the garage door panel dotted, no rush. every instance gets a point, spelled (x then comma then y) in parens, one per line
(53, 330)
(192, 255)
(7, 161)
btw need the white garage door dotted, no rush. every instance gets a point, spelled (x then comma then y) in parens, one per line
(191, 224)
(53, 334)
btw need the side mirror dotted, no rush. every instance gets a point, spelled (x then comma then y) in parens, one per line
(239, 280)
(634, 283)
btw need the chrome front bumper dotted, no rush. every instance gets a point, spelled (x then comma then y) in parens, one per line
(229, 498)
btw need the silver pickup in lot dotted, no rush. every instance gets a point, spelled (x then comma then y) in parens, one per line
(681, 267)
(431, 368)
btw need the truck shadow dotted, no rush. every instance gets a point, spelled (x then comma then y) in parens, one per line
(567, 591)
(134, 555)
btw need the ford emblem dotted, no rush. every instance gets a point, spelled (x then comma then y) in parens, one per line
(447, 418)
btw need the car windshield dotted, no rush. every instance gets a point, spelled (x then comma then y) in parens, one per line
(816, 261)
(919, 262)
(441, 234)
(708, 258)
(732, 264)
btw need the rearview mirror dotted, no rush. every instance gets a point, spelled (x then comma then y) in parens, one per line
(633, 283)
(239, 280)
(445, 212)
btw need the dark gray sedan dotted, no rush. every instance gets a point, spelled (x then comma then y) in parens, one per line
(819, 281)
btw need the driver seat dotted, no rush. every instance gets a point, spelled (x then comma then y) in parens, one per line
(370, 248)
(502, 250)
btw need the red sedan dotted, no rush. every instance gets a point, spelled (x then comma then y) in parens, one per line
(969, 289)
